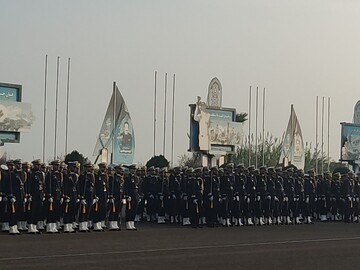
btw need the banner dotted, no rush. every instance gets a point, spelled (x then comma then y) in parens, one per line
(15, 116)
(350, 142)
(225, 133)
(293, 144)
(118, 133)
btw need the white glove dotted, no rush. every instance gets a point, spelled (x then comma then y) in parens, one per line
(129, 199)
(67, 200)
(195, 201)
(258, 198)
(83, 202)
(174, 196)
(0, 198)
(161, 197)
(78, 200)
(29, 199)
(237, 198)
(269, 197)
(185, 198)
(13, 199)
(307, 200)
(61, 201)
(276, 199)
(357, 199)
(211, 198)
(123, 201)
(51, 200)
(25, 200)
(248, 200)
(151, 196)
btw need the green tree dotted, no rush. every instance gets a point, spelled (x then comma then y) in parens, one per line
(190, 160)
(158, 161)
(76, 156)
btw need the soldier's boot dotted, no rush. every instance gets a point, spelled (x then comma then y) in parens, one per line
(128, 225)
(250, 222)
(49, 228)
(279, 220)
(172, 219)
(269, 221)
(75, 225)
(288, 220)
(310, 221)
(186, 221)
(58, 225)
(97, 227)
(103, 224)
(148, 218)
(66, 228)
(262, 222)
(83, 226)
(240, 222)
(203, 220)
(236, 222)
(137, 218)
(25, 226)
(13, 230)
(40, 225)
(5, 227)
(228, 223)
(89, 224)
(132, 224)
(160, 220)
(323, 218)
(113, 226)
(297, 220)
(32, 229)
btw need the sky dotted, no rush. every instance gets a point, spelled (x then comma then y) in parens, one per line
(295, 49)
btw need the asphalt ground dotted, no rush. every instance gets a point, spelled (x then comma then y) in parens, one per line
(318, 246)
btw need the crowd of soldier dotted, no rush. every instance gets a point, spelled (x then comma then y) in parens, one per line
(35, 197)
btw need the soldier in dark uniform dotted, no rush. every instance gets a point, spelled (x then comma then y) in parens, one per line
(227, 194)
(70, 196)
(35, 198)
(100, 197)
(356, 204)
(21, 211)
(211, 196)
(250, 188)
(309, 197)
(279, 196)
(53, 182)
(26, 168)
(195, 195)
(270, 196)
(335, 197)
(185, 186)
(324, 196)
(149, 190)
(298, 195)
(3, 201)
(141, 205)
(260, 195)
(116, 191)
(131, 196)
(346, 194)
(12, 188)
(85, 196)
(161, 195)
(288, 195)
(239, 195)
(174, 194)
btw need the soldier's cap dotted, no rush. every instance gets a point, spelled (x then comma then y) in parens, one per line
(4, 167)
(189, 170)
(17, 161)
(214, 168)
(164, 169)
(55, 162)
(132, 167)
(290, 169)
(198, 170)
(252, 167)
(43, 165)
(151, 169)
(278, 169)
(311, 171)
(102, 164)
(327, 173)
(240, 166)
(221, 170)
(26, 164)
(306, 176)
(10, 162)
(177, 169)
(72, 163)
(230, 165)
(88, 164)
(337, 175)
(271, 169)
(36, 162)
(263, 168)
(119, 167)
(256, 171)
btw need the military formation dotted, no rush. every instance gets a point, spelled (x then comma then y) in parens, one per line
(37, 198)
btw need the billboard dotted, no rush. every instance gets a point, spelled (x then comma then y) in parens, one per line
(350, 142)
(9, 93)
(213, 129)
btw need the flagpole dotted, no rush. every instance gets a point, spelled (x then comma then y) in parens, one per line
(256, 126)
(44, 128)
(67, 108)
(56, 103)
(249, 128)
(316, 133)
(155, 116)
(263, 130)
(172, 123)
(322, 135)
(114, 123)
(328, 150)
(164, 141)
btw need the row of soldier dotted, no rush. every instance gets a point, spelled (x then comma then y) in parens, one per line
(32, 195)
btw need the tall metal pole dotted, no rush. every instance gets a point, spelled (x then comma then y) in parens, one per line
(263, 129)
(256, 126)
(249, 128)
(173, 123)
(322, 135)
(114, 124)
(44, 128)
(67, 108)
(328, 139)
(56, 103)
(316, 133)
(155, 116)
(164, 141)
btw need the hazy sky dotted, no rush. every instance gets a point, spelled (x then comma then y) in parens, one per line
(296, 49)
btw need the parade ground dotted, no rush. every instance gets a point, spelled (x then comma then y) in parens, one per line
(318, 246)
